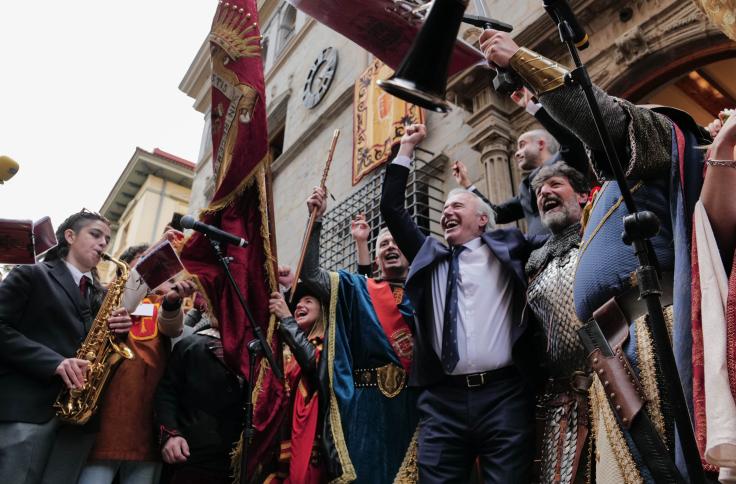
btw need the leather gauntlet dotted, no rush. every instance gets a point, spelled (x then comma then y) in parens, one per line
(539, 73)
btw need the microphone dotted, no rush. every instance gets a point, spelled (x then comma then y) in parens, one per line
(560, 12)
(188, 222)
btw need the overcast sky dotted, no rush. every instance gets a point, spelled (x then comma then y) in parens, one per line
(83, 83)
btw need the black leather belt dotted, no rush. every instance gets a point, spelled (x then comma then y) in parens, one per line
(477, 380)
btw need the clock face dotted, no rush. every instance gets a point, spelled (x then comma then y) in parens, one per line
(319, 77)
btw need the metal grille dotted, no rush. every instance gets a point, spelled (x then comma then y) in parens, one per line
(424, 200)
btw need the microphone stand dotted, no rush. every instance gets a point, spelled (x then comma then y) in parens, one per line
(255, 347)
(639, 227)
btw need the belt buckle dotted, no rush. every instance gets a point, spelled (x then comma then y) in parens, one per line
(470, 383)
(574, 382)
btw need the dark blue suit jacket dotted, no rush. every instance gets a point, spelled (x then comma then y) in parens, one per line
(43, 320)
(510, 247)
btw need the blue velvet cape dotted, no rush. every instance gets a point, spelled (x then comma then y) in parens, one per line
(370, 431)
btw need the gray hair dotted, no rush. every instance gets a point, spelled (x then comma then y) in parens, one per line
(552, 145)
(482, 207)
(577, 180)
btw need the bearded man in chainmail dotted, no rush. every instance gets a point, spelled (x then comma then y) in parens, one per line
(562, 408)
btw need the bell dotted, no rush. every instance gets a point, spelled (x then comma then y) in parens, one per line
(421, 78)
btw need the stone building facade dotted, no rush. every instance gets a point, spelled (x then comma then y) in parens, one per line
(646, 51)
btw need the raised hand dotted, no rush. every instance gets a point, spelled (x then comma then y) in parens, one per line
(413, 135)
(498, 47)
(285, 276)
(460, 173)
(359, 228)
(180, 289)
(277, 305)
(317, 200)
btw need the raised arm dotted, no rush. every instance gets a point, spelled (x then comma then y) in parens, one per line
(312, 274)
(304, 351)
(402, 227)
(644, 155)
(718, 195)
(360, 230)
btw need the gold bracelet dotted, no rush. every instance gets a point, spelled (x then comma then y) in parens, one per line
(726, 163)
(538, 72)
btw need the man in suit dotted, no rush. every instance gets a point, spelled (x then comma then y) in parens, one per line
(46, 310)
(472, 359)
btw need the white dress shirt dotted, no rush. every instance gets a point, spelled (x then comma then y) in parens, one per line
(484, 316)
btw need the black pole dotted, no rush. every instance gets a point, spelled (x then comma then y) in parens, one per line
(638, 228)
(253, 326)
(254, 348)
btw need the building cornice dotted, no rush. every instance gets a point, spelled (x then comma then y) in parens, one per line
(142, 164)
(311, 132)
(196, 81)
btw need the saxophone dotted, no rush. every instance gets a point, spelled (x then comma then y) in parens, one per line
(103, 349)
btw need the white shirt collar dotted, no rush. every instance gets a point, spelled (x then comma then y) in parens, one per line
(76, 273)
(471, 245)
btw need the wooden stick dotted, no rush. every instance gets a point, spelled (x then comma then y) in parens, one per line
(313, 216)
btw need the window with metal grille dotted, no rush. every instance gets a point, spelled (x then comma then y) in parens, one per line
(424, 200)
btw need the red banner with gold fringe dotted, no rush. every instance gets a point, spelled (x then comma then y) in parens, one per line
(241, 206)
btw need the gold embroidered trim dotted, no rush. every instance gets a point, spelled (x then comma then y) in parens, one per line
(338, 436)
(231, 32)
(648, 370)
(615, 437)
(608, 214)
(259, 176)
(408, 471)
(648, 376)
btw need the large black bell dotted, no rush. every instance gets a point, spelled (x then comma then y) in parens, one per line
(421, 78)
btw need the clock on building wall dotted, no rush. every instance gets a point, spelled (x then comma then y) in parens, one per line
(319, 77)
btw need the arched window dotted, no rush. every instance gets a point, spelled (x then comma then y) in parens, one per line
(287, 25)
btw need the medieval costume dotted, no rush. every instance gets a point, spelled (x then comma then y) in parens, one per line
(664, 168)
(371, 415)
(562, 408)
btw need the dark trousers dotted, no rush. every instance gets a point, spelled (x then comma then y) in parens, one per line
(493, 423)
(48, 453)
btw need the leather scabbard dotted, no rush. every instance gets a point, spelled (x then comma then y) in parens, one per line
(603, 338)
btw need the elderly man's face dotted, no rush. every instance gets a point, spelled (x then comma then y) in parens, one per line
(559, 204)
(461, 220)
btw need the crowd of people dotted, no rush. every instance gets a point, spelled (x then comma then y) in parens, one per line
(461, 362)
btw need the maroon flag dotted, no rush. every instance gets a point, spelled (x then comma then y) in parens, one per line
(385, 28)
(240, 206)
